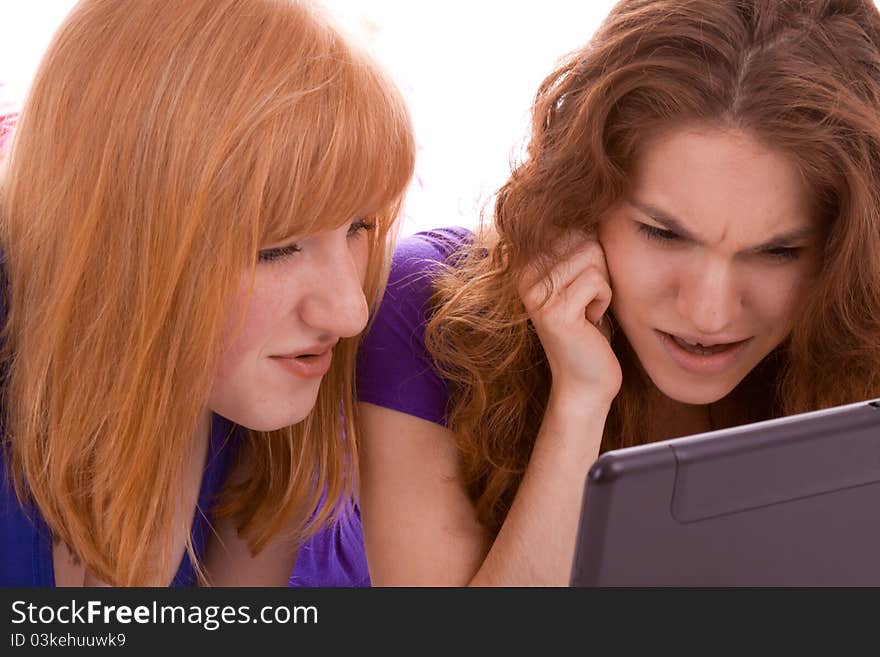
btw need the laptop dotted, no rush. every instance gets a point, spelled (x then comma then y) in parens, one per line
(793, 501)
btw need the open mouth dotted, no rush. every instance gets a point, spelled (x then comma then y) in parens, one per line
(702, 359)
(704, 349)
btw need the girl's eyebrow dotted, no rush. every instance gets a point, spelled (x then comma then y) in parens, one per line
(669, 222)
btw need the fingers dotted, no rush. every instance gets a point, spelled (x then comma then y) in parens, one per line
(586, 298)
(535, 289)
(568, 264)
(588, 295)
(567, 307)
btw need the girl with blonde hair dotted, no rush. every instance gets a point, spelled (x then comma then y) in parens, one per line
(691, 242)
(196, 210)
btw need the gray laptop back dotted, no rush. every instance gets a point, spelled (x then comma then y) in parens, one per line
(787, 502)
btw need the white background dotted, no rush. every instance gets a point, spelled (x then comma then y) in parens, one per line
(469, 71)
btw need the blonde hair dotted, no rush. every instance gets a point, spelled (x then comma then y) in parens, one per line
(161, 144)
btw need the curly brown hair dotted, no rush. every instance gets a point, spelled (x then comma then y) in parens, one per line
(803, 77)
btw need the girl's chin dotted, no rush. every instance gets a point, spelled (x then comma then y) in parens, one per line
(695, 394)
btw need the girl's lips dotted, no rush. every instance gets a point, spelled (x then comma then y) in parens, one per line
(306, 367)
(712, 363)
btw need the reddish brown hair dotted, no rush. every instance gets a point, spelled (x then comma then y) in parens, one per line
(162, 144)
(802, 76)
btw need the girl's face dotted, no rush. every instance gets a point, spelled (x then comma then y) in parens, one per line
(709, 257)
(306, 296)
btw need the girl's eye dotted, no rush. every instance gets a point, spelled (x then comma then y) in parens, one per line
(778, 254)
(658, 234)
(360, 225)
(784, 254)
(278, 253)
(271, 255)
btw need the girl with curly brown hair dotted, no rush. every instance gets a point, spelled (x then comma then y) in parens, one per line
(691, 242)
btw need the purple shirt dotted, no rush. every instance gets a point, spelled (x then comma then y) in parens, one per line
(395, 369)
(333, 557)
